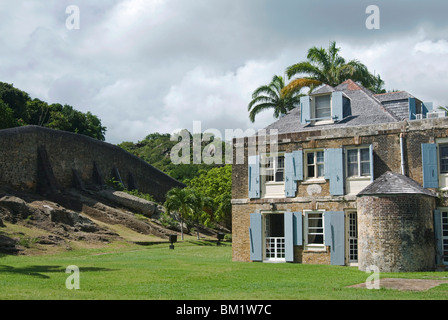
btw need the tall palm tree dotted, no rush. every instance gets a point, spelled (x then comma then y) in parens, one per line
(182, 201)
(272, 96)
(328, 67)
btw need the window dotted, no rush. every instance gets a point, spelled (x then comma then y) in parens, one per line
(443, 158)
(314, 228)
(358, 162)
(322, 105)
(274, 168)
(315, 164)
(445, 236)
(352, 237)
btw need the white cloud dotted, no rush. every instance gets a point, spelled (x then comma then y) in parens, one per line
(413, 63)
(157, 65)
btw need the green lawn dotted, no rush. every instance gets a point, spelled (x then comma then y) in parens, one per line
(193, 271)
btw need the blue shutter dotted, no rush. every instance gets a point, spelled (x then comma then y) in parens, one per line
(289, 236)
(297, 158)
(438, 236)
(334, 170)
(305, 110)
(412, 109)
(290, 183)
(254, 177)
(293, 233)
(429, 164)
(372, 171)
(256, 235)
(337, 106)
(426, 107)
(297, 225)
(334, 230)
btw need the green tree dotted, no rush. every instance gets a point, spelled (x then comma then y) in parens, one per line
(7, 119)
(216, 184)
(27, 111)
(180, 200)
(201, 207)
(328, 67)
(15, 99)
(272, 96)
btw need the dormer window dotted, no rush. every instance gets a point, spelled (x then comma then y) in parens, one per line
(322, 107)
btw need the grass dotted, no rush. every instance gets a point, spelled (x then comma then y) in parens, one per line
(194, 270)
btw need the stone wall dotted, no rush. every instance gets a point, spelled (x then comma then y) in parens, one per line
(396, 233)
(73, 159)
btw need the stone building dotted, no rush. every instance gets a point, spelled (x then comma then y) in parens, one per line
(314, 196)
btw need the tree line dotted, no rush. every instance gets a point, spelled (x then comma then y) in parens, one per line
(18, 109)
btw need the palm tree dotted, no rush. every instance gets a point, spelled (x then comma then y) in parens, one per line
(182, 201)
(328, 67)
(200, 204)
(272, 96)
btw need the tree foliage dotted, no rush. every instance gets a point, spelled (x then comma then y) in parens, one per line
(216, 185)
(18, 109)
(273, 96)
(328, 67)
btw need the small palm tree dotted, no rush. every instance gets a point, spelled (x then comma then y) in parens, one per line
(328, 67)
(200, 205)
(271, 96)
(180, 200)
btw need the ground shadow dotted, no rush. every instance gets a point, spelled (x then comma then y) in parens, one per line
(38, 271)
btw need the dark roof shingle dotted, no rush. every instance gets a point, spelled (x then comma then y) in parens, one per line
(392, 184)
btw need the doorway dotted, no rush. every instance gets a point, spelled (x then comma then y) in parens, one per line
(275, 237)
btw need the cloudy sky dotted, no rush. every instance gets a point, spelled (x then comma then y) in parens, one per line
(145, 66)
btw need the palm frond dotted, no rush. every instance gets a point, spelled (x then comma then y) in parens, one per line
(297, 84)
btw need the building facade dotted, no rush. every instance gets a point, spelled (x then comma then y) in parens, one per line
(301, 200)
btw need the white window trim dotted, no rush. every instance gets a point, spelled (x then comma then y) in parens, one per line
(358, 177)
(347, 236)
(279, 186)
(313, 247)
(443, 209)
(274, 155)
(442, 176)
(305, 166)
(264, 215)
(313, 110)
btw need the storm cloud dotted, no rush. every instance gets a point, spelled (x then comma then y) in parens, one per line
(148, 66)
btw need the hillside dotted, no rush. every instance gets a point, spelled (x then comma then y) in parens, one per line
(31, 224)
(156, 148)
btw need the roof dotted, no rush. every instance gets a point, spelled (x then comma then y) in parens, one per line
(365, 109)
(394, 184)
(393, 96)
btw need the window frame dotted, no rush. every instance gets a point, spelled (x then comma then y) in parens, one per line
(315, 164)
(313, 247)
(359, 162)
(275, 167)
(321, 121)
(439, 157)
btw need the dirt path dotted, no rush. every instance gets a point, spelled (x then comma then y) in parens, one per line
(405, 284)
